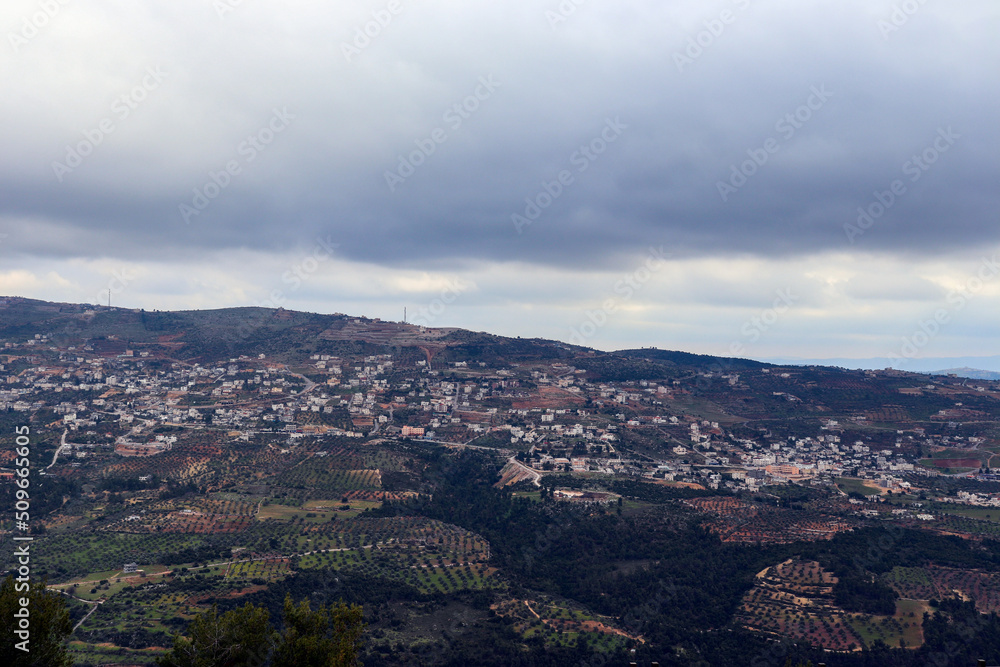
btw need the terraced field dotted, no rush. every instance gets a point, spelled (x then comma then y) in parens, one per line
(746, 522)
(795, 599)
(428, 555)
(559, 623)
(937, 583)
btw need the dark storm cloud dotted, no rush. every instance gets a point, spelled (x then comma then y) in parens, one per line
(862, 104)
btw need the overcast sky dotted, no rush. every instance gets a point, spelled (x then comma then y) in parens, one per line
(686, 175)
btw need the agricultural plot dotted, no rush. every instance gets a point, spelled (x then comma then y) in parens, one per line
(379, 496)
(938, 583)
(564, 624)
(143, 616)
(385, 460)
(83, 653)
(317, 511)
(99, 586)
(248, 462)
(888, 414)
(263, 569)
(185, 521)
(951, 466)
(115, 619)
(65, 557)
(903, 629)
(102, 585)
(321, 475)
(952, 461)
(795, 599)
(182, 463)
(991, 514)
(227, 513)
(219, 504)
(550, 397)
(343, 457)
(742, 521)
(859, 486)
(953, 524)
(426, 555)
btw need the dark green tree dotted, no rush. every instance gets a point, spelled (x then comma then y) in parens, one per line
(48, 624)
(238, 638)
(327, 637)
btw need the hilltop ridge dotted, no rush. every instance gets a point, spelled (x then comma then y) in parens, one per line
(226, 332)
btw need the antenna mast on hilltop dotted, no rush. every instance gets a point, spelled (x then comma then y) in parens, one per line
(109, 297)
(404, 314)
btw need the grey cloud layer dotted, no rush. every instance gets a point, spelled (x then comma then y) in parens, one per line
(688, 126)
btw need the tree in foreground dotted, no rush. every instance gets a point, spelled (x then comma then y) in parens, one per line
(238, 638)
(327, 637)
(48, 625)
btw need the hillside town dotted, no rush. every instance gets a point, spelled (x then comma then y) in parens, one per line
(115, 400)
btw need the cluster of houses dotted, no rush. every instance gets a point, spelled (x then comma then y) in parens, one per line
(551, 416)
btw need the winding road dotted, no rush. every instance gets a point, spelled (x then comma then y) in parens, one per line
(62, 443)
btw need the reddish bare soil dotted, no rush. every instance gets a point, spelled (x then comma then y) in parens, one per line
(550, 397)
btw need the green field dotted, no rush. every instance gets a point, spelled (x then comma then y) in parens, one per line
(991, 514)
(893, 629)
(851, 484)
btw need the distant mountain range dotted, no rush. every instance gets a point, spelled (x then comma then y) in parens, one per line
(958, 365)
(972, 373)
